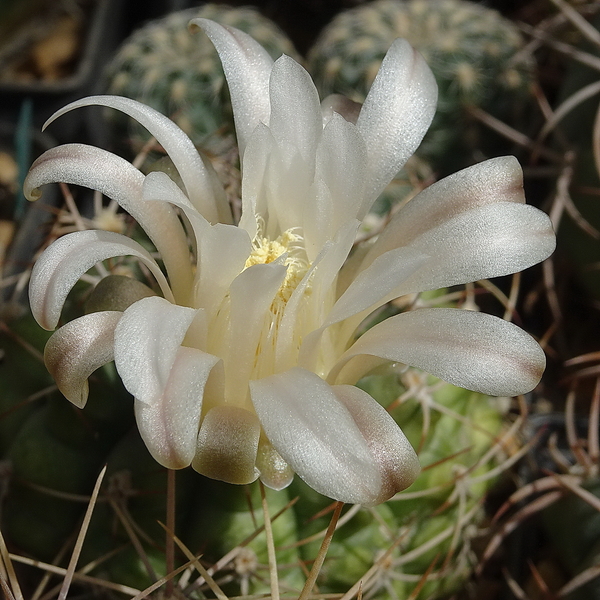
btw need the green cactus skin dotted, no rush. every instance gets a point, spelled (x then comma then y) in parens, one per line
(462, 431)
(178, 73)
(472, 51)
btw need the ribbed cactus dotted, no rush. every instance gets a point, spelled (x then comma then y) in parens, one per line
(472, 50)
(432, 524)
(180, 75)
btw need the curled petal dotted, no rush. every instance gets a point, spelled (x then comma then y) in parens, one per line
(247, 67)
(62, 264)
(178, 146)
(169, 426)
(392, 451)
(77, 349)
(469, 349)
(147, 340)
(227, 445)
(317, 436)
(491, 181)
(395, 115)
(100, 170)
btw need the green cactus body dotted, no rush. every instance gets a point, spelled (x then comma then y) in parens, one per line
(50, 447)
(180, 74)
(22, 375)
(435, 520)
(224, 516)
(472, 51)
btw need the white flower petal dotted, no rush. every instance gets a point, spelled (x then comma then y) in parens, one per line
(256, 190)
(392, 451)
(296, 122)
(222, 249)
(147, 340)
(247, 67)
(227, 445)
(336, 103)
(275, 473)
(487, 241)
(251, 295)
(396, 114)
(316, 435)
(372, 286)
(169, 427)
(100, 170)
(178, 146)
(469, 349)
(77, 349)
(339, 181)
(369, 290)
(488, 182)
(61, 265)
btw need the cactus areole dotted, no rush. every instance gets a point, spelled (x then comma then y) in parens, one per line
(243, 363)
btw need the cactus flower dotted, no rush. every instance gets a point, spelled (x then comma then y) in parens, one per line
(244, 364)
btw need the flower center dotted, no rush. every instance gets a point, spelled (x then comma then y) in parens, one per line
(287, 249)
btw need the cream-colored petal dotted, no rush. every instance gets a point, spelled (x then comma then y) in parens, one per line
(395, 115)
(222, 249)
(275, 473)
(77, 349)
(227, 445)
(469, 349)
(147, 340)
(169, 426)
(247, 67)
(251, 295)
(116, 178)
(489, 182)
(341, 173)
(317, 436)
(178, 146)
(488, 241)
(295, 122)
(392, 451)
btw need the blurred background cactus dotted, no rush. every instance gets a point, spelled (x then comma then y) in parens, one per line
(475, 54)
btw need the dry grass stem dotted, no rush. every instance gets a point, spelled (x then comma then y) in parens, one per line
(7, 572)
(586, 28)
(195, 562)
(169, 545)
(273, 576)
(76, 576)
(567, 106)
(316, 568)
(81, 537)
